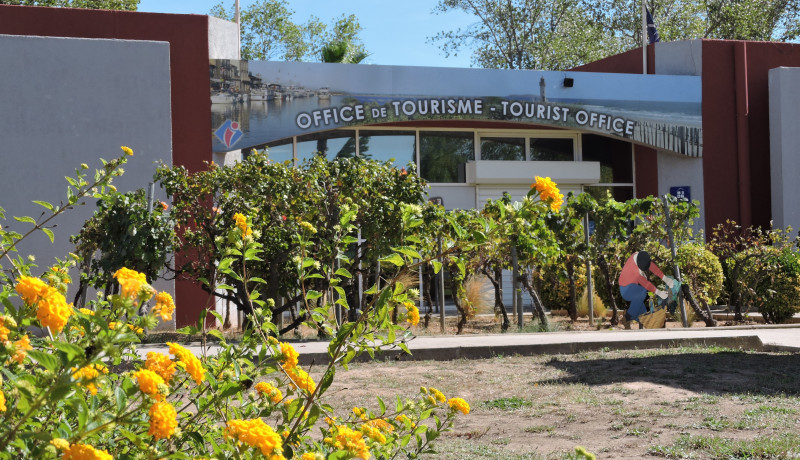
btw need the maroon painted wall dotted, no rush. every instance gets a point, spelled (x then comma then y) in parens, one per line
(724, 100)
(191, 111)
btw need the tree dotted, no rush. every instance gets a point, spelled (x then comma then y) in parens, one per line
(123, 5)
(561, 34)
(269, 33)
(526, 34)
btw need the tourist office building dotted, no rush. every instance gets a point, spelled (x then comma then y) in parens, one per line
(713, 121)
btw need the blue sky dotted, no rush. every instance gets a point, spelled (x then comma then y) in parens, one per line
(395, 33)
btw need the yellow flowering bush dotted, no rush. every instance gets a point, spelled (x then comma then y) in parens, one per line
(81, 390)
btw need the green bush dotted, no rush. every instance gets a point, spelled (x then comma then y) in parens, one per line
(768, 280)
(701, 269)
(777, 294)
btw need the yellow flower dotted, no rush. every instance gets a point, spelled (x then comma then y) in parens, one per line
(381, 424)
(437, 394)
(308, 226)
(289, 355)
(85, 452)
(3, 330)
(548, 192)
(149, 383)
(301, 379)
(404, 419)
(267, 389)
(241, 222)
(256, 433)
(60, 443)
(352, 441)
(87, 376)
(459, 405)
(163, 420)
(312, 456)
(2, 402)
(373, 433)
(52, 309)
(189, 361)
(412, 315)
(86, 311)
(113, 188)
(131, 283)
(128, 151)
(164, 306)
(20, 347)
(31, 289)
(160, 364)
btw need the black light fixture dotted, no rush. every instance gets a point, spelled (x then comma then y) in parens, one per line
(568, 82)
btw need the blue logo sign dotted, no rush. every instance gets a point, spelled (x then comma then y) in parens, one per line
(229, 133)
(683, 193)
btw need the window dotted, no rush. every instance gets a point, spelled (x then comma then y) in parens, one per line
(385, 145)
(330, 144)
(444, 155)
(552, 149)
(615, 157)
(502, 148)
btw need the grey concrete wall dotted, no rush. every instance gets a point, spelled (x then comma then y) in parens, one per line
(677, 171)
(223, 39)
(784, 111)
(70, 101)
(679, 58)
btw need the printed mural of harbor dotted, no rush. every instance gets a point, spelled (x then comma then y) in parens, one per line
(270, 101)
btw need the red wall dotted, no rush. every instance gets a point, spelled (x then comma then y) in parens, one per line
(729, 93)
(735, 125)
(191, 111)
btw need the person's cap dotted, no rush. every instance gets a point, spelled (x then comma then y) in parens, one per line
(643, 260)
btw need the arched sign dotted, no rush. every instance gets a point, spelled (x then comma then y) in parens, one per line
(268, 101)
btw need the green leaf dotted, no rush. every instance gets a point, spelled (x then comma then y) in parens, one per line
(409, 251)
(121, 399)
(217, 334)
(343, 272)
(188, 330)
(50, 362)
(436, 266)
(327, 380)
(49, 234)
(72, 351)
(25, 219)
(394, 259)
(312, 294)
(46, 205)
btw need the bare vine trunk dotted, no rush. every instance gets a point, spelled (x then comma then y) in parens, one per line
(538, 306)
(603, 264)
(573, 303)
(497, 283)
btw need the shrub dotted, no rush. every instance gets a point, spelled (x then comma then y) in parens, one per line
(81, 390)
(701, 269)
(778, 293)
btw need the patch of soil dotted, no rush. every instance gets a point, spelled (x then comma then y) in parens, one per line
(625, 405)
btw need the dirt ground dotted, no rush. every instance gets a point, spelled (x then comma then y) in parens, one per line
(680, 403)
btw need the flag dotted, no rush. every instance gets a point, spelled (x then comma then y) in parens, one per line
(652, 32)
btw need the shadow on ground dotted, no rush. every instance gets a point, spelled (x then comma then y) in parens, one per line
(716, 373)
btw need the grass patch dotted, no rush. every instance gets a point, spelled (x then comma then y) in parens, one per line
(783, 446)
(506, 404)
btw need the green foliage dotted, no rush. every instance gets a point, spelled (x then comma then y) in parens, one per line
(269, 33)
(702, 270)
(74, 387)
(123, 233)
(772, 275)
(561, 34)
(327, 203)
(124, 5)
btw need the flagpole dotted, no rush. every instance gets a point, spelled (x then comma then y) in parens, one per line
(237, 18)
(644, 36)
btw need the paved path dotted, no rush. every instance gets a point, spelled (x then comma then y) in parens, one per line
(766, 338)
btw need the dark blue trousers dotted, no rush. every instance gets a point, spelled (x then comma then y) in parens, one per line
(636, 295)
